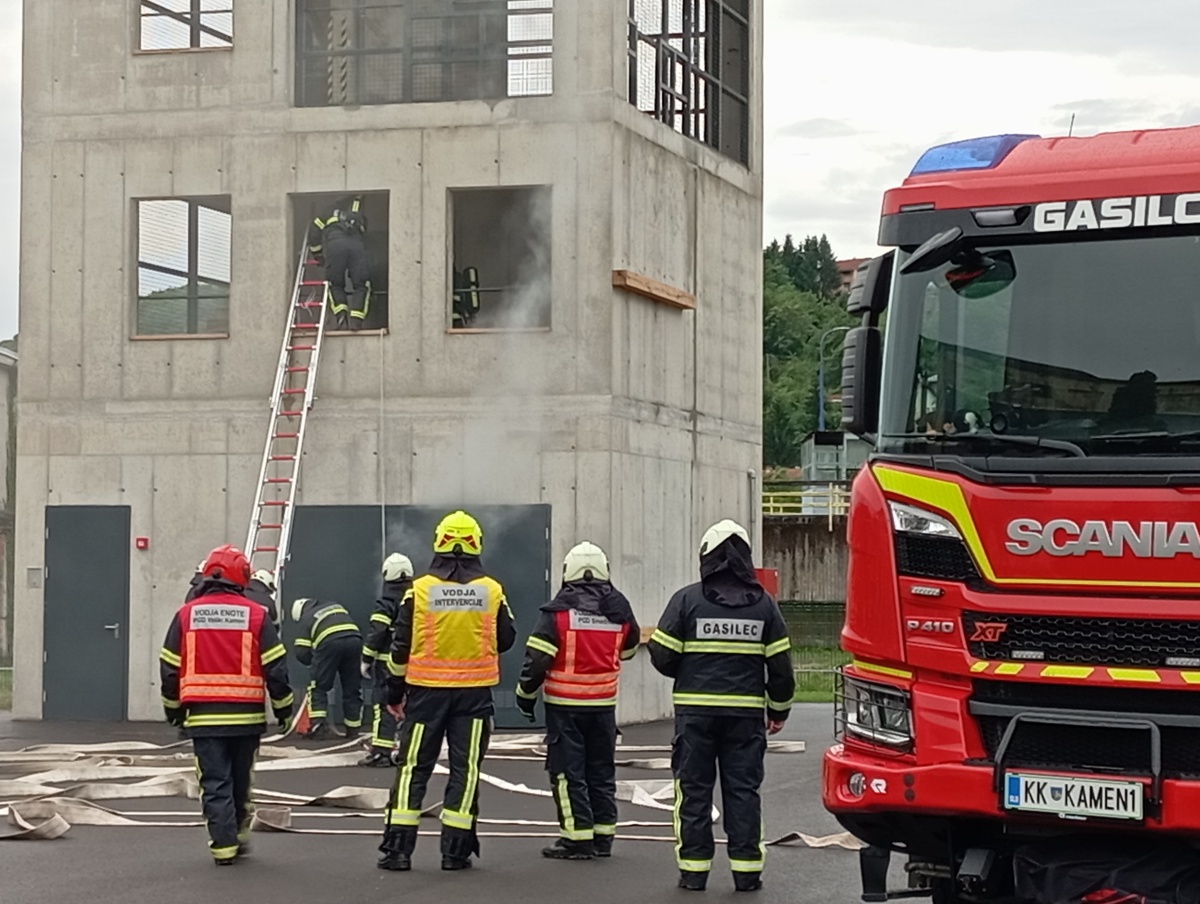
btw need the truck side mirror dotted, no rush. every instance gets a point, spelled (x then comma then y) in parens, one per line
(862, 365)
(870, 287)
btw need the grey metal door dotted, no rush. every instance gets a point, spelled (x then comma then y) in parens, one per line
(337, 550)
(86, 595)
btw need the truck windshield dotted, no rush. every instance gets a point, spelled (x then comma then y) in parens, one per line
(1093, 342)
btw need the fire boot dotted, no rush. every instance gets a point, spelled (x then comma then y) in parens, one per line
(377, 758)
(747, 881)
(457, 847)
(397, 848)
(603, 845)
(693, 881)
(570, 850)
(318, 732)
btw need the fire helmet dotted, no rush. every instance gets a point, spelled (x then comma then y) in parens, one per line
(227, 563)
(458, 532)
(585, 561)
(719, 533)
(396, 567)
(298, 608)
(265, 578)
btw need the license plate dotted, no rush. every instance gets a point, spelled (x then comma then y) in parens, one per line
(1073, 797)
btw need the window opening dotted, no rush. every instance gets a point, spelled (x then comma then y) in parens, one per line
(355, 240)
(185, 24)
(500, 261)
(689, 67)
(415, 51)
(183, 266)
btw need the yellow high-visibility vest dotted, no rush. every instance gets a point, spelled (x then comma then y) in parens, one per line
(454, 633)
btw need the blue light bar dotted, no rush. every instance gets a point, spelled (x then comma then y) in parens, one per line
(972, 154)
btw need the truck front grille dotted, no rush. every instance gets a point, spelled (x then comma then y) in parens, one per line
(1088, 641)
(1089, 749)
(938, 558)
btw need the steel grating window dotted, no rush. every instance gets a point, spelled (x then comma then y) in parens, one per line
(185, 24)
(418, 51)
(689, 67)
(183, 267)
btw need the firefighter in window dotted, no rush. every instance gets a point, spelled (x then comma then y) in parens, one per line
(336, 239)
(575, 655)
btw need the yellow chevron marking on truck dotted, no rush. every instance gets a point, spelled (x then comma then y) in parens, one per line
(1067, 671)
(1147, 675)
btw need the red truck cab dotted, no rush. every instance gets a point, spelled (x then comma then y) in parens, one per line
(1023, 601)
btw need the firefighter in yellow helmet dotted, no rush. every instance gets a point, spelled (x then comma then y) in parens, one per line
(449, 633)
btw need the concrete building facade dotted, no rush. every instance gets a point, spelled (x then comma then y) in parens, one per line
(170, 162)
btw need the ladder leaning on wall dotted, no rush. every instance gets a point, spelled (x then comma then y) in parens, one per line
(291, 401)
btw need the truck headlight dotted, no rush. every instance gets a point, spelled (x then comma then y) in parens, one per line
(908, 519)
(877, 713)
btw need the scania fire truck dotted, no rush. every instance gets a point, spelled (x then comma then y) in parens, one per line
(1023, 602)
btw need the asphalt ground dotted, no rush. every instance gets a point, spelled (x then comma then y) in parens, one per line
(98, 865)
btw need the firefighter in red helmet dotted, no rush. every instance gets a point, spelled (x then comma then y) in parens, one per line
(220, 662)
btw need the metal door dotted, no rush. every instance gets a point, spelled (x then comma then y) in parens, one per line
(85, 675)
(336, 553)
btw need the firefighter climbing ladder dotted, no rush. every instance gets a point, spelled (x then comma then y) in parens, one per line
(292, 399)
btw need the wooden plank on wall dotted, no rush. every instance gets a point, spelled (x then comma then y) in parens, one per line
(653, 289)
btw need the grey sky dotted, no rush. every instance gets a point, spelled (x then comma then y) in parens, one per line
(855, 91)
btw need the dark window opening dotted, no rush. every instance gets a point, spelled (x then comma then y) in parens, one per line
(373, 206)
(500, 263)
(185, 24)
(417, 51)
(689, 67)
(183, 266)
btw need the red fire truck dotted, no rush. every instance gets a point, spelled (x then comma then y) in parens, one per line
(1023, 606)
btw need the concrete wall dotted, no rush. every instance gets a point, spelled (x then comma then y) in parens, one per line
(638, 423)
(811, 558)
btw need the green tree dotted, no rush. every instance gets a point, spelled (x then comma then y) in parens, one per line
(793, 322)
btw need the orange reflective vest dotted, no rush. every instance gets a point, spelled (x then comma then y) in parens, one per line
(588, 661)
(454, 633)
(221, 659)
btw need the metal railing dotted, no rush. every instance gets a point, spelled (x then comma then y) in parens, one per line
(828, 500)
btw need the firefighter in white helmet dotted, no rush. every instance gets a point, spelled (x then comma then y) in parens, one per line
(574, 655)
(330, 643)
(397, 581)
(261, 590)
(725, 643)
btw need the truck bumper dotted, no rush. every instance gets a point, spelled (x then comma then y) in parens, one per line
(956, 791)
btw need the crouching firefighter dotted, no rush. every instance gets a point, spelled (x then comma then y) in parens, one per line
(329, 641)
(220, 660)
(575, 655)
(397, 580)
(451, 629)
(725, 643)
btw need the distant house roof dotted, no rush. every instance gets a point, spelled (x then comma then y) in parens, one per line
(848, 266)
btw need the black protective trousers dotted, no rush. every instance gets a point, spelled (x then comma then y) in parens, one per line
(338, 659)
(383, 723)
(346, 263)
(224, 765)
(734, 747)
(463, 717)
(581, 749)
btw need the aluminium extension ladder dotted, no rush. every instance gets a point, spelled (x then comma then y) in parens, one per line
(291, 400)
